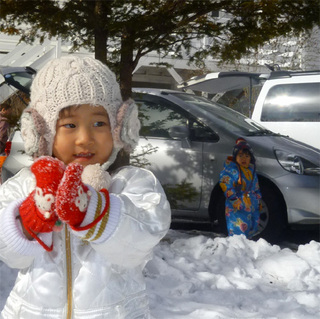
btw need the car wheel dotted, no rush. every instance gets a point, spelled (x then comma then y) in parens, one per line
(273, 215)
(217, 211)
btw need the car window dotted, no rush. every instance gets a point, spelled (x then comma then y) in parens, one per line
(158, 115)
(156, 119)
(20, 80)
(224, 117)
(299, 102)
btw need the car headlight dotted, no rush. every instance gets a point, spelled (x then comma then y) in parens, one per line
(296, 164)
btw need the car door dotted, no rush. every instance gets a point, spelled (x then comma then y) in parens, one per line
(177, 163)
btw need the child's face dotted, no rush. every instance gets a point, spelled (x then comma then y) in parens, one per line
(83, 135)
(243, 159)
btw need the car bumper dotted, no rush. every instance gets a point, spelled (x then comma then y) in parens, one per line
(302, 198)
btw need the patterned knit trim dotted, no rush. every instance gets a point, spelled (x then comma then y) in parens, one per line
(97, 212)
(100, 217)
(14, 237)
(102, 226)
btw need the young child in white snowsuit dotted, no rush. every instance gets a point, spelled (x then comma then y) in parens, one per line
(239, 182)
(79, 236)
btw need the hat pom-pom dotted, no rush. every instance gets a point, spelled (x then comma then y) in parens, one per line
(241, 140)
(126, 133)
(33, 133)
(95, 176)
(29, 134)
(131, 128)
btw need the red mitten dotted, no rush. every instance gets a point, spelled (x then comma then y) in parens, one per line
(37, 212)
(73, 199)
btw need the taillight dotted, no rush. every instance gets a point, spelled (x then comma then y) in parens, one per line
(8, 148)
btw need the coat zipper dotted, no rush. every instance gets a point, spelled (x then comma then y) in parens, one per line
(69, 273)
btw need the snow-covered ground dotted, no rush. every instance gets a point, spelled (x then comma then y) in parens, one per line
(195, 276)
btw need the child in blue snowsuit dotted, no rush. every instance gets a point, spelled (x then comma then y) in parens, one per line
(239, 182)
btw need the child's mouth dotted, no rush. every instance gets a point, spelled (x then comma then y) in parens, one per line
(84, 155)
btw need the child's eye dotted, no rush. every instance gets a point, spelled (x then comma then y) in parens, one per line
(99, 124)
(69, 125)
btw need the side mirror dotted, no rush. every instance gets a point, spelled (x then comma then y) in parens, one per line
(180, 133)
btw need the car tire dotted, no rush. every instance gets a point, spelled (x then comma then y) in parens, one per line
(273, 216)
(217, 211)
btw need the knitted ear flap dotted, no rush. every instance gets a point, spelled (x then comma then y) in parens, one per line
(33, 129)
(126, 133)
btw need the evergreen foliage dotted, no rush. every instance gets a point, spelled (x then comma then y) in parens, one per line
(121, 32)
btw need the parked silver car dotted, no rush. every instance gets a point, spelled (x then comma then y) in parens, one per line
(185, 140)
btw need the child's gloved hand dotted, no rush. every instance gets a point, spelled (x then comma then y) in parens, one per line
(72, 196)
(73, 199)
(37, 212)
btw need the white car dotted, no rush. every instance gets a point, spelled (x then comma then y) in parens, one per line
(289, 104)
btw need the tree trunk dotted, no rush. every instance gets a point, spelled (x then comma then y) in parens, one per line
(100, 31)
(100, 47)
(126, 66)
(123, 159)
(126, 69)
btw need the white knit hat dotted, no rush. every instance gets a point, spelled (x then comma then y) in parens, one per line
(73, 80)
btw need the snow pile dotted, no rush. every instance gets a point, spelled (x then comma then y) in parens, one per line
(195, 276)
(201, 277)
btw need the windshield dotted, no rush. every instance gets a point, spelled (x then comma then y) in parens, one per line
(225, 117)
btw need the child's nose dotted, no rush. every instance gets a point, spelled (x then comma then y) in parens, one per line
(85, 136)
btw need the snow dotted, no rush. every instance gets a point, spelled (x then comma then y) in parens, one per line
(194, 276)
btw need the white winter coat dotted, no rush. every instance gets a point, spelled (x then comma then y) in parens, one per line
(81, 279)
